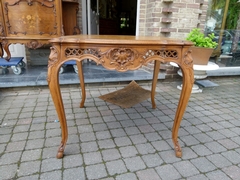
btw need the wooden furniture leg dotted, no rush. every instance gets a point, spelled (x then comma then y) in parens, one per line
(188, 80)
(1, 50)
(81, 78)
(6, 48)
(53, 83)
(154, 82)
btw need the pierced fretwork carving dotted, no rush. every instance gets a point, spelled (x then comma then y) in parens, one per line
(161, 53)
(121, 57)
(70, 52)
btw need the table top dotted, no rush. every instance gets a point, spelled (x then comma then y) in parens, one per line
(120, 39)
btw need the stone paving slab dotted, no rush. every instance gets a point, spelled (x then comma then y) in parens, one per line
(108, 142)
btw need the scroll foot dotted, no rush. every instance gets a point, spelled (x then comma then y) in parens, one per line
(154, 105)
(82, 104)
(8, 57)
(60, 151)
(178, 150)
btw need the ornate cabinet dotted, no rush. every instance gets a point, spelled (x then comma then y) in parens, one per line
(34, 22)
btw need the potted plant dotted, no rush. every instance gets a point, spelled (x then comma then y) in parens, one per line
(204, 46)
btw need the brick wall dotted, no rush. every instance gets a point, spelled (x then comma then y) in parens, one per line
(171, 18)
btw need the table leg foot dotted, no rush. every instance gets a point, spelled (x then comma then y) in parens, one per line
(60, 151)
(82, 104)
(154, 105)
(178, 150)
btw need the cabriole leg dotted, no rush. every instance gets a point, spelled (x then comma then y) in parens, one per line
(81, 78)
(188, 80)
(154, 82)
(53, 83)
(6, 48)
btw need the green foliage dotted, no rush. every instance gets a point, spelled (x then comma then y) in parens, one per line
(218, 4)
(200, 40)
(232, 14)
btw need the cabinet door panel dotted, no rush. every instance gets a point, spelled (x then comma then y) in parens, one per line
(69, 13)
(33, 17)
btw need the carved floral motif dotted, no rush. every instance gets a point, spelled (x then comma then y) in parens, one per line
(161, 53)
(30, 21)
(121, 57)
(187, 58)
(34, 44)
(53, 57)
(76, 30)
(188, 61)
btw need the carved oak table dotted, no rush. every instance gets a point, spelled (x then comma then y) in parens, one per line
(120, 53)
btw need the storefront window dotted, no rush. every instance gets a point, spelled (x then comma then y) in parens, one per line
(224, 21)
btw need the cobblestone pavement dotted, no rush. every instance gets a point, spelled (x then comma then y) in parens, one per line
(108, 142)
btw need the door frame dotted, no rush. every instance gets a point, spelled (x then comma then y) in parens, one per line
(137, 18)
(86, 22)
(84, 17)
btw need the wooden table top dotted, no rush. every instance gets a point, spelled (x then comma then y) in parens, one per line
(120, 39)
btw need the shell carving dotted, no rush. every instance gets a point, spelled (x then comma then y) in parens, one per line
(121, 57)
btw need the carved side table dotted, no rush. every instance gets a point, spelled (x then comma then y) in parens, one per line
(120, 53)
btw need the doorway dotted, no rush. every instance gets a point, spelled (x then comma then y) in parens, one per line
(111, 17)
